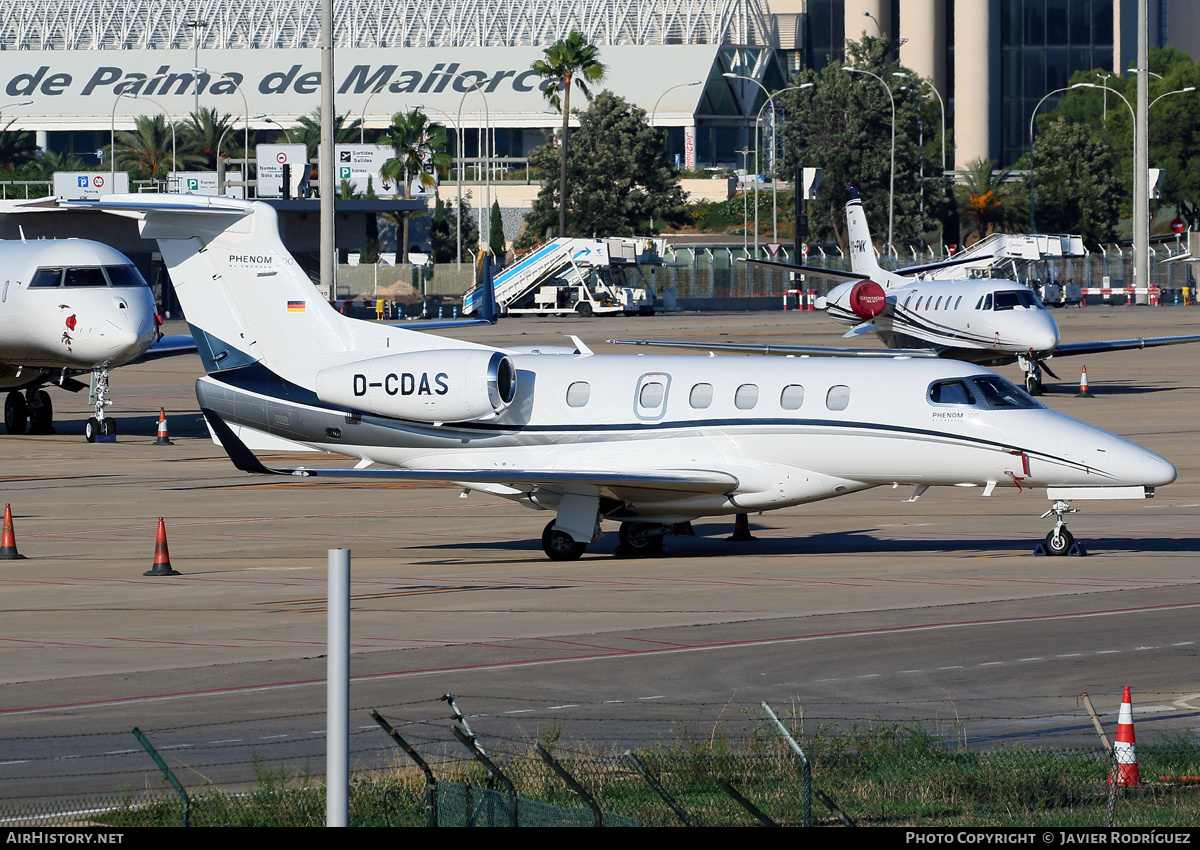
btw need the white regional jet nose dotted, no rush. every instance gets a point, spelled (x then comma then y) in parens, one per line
(1042, 332)
(1114, 461)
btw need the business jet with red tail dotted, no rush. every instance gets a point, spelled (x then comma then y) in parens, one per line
(988, 321)
(649, 442)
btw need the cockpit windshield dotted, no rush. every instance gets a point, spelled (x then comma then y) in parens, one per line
(1010, 299)
(986, 391)
(86, 276)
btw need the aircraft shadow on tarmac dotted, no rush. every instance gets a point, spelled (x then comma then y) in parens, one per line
(710, 542)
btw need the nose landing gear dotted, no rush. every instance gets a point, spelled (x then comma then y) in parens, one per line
(1060, 541)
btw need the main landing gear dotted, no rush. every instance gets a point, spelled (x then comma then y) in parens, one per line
(34, 409)
(637, 540)
(1060, 541)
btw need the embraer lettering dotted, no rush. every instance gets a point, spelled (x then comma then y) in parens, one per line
(404, 383)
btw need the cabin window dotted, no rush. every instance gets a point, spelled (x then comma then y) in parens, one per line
(958, 303)
(651, 395)
(746, 397)
(950, 392)
(578, 394)
(938, 306)
(46, 278)
(701, 396)
(907, 299)
(792, 397)
(838, 397)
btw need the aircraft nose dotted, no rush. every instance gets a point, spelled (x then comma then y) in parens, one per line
(1045, 335)
(1157, 471)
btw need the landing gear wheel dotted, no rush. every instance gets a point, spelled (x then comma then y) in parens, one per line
(110, 427)
(560, 546)
(41, 416)
(637, 541)
(1033, 384)
(91, 430)
(584, 310)
(1059, 541)
(16, 412)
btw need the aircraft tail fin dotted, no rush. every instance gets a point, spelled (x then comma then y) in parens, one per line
(862, 253)
(244, 295)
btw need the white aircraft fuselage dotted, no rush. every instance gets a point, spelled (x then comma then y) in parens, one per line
(649, 441)
(67, 307)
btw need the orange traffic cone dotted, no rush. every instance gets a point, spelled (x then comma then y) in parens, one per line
(741, 529)
(8, 540)
(163, 439)
(1124, 751)
(1083, 387)
(162, 558)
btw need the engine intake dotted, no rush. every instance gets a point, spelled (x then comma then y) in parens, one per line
(425, 386)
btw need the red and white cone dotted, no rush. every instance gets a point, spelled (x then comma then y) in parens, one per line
(163, 439)
(1083, 387)
(162, 558)
(8, 540)
(1124, 750)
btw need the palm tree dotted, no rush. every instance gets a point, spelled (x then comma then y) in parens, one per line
(420, 147)
(202, 133)
(16, 146)
(571, 60)
(986, 200)
(148, 148)
(310, 131)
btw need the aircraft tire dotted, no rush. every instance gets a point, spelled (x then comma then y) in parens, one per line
(91, 429)
(41, 418)
(1032, 385)
(560, 546)
(637, 545)
(584, 310)
(16, 413)
(1060, 543)
(110, 427)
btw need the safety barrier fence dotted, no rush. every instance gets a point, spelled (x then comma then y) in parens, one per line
(889, 776)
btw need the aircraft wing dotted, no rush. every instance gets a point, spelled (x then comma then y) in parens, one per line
(1068, 349)
(684, 480)
(815, 271)
(809, 350)
(168, 345)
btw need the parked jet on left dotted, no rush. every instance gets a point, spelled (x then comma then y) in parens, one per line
(70, 307)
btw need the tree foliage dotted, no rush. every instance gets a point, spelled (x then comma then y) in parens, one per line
(310, 131)
(147, 149)
(567, 62)
(1174, 124)
(443, 227)
(496, 241)
(618, 178)
(1075, 189)
(16, 145)
(419, 146)
(988, 202)
(843, 124)
(202, 132)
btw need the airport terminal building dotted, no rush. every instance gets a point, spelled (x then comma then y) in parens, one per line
(72, 70)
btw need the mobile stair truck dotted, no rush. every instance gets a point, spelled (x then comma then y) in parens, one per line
(585, 277)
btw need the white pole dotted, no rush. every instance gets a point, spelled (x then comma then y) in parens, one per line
(337, 692)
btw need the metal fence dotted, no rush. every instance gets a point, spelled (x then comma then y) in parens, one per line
(895, 778)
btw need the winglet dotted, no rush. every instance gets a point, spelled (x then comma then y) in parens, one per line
(488, 310)
(238, 452)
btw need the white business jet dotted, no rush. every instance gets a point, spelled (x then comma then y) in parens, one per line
(650, 442)
(68, 307)
(987, 321)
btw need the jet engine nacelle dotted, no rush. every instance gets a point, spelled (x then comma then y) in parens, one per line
(425, 386)
(867, 299)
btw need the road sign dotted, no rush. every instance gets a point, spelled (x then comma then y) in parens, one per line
(1178, 225)
(773, 248)
(88, 185)
(804, 249)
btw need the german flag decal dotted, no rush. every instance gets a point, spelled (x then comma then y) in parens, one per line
(295, 306)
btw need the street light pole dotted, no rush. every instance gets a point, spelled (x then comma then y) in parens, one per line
(774, 126)
(892, 172)
(194, 25)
